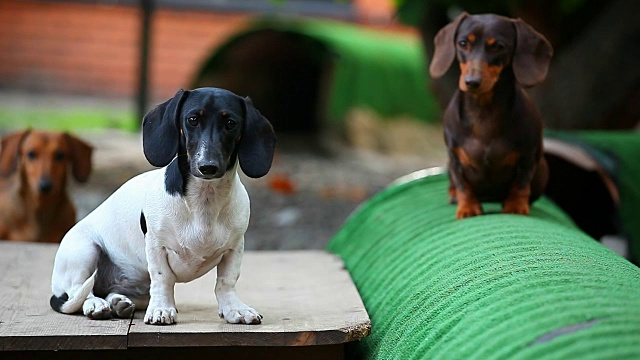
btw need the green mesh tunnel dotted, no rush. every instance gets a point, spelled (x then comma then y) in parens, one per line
(306, 74)
(491, 287)
(595, 178)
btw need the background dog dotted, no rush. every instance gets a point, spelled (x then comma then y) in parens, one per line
(492, 129)
(172, 224)
(34, 204)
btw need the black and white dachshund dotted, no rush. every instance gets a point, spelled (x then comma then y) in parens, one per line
(172, 224)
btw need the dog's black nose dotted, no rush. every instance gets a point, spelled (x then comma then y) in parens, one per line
(473, 83)
(45, 185)
(208, 169)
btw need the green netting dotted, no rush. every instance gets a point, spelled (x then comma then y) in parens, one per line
(617, 152)
(490, 287)
(382, 71)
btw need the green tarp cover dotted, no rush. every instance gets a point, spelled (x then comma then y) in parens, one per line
(385, 72)
(490, 287)
(618, 152)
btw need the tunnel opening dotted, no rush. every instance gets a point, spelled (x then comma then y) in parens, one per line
(282, 72)
(583, 195)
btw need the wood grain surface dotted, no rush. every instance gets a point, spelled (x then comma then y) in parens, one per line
(306, 298)
(27, 322)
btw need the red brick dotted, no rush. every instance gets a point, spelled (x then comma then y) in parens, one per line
(93, 48)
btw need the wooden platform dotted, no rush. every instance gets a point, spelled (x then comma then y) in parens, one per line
(307, 298)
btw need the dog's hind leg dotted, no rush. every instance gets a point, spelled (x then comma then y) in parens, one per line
(96, 308)
(121, 306)
(74, 273)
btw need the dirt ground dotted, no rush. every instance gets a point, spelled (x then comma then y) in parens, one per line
(314, 185)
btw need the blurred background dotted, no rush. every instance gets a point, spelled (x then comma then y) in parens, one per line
(344, 83)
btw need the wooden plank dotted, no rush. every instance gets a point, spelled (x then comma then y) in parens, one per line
(306, 297)
(26, 320)
(321, 352)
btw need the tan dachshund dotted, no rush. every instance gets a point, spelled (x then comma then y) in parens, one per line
(34, 204)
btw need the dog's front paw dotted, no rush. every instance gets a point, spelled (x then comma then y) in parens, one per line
(239, 314)
(453, 197)
(468, 210)
(96, 308)
(160, 315)
(516, 207)
(517, 202)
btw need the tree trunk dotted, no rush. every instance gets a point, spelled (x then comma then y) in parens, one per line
(598, 75)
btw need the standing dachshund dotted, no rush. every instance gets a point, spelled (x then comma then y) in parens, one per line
(34, 204)
(492, 129)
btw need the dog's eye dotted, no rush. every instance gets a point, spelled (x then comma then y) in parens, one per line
(32, 155)
(496, 47)
(463, 43)
(59, 155)
(193, 121)
(230, 124)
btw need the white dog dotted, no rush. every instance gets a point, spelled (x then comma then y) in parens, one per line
(172, 224)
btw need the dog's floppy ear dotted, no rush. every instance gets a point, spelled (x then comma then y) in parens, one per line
(161, 131)
(532, 55)
(80, 156)
(257, 142)
(445, 49)
(10, 151)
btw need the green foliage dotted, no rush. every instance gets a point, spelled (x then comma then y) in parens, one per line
(568, 7)
(412, 11)
(67, 119)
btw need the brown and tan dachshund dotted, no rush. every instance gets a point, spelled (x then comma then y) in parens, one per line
(34, 204)
(492, 129)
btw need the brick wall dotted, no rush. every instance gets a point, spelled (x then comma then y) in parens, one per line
(82, 48)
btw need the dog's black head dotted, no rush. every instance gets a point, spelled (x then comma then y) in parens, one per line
(209, 128)
(485, 45)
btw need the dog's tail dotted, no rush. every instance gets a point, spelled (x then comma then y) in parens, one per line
(69, 305)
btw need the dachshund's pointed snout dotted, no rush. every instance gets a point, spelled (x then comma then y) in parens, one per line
(208, 169)
(472, 82)
(45, 185)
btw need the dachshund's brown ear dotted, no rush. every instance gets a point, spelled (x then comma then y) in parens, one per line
(445, 49)
(532, 55)
(10, 151)
(80, 157)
